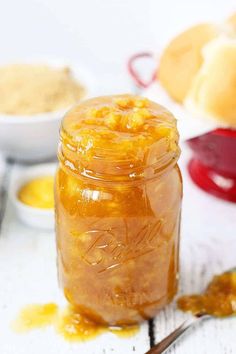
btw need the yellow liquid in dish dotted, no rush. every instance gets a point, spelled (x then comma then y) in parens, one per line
(38, 193)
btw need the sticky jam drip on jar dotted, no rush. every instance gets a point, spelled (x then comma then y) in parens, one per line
(219, 299)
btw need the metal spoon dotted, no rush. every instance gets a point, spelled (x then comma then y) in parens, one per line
(168, 341)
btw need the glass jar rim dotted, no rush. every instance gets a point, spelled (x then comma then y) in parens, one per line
(100, 152)
(131, 176)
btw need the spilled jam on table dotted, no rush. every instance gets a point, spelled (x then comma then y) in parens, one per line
(219, 299)
(67, 323)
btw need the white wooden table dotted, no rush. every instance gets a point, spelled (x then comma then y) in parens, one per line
(28, 275)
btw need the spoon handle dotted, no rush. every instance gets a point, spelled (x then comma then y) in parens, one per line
(168, 341)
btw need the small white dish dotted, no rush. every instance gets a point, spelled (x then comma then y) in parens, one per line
(36, 217)
(34, 138)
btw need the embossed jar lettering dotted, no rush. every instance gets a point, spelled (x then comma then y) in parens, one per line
(118, 202)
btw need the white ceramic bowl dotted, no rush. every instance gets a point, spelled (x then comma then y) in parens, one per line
(35, 217)
(34, 138)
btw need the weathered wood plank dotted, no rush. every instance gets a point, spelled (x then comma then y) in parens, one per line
(208, 246)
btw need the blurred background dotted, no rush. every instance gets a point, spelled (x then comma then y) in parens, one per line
(99, 34)
(92, 42)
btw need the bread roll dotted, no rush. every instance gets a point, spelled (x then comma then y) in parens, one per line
(182, 59)
(231, 21)
(213, 91)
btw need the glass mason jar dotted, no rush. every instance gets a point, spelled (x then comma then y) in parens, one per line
(118, 203)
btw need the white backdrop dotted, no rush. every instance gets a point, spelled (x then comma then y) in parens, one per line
(98, 33)
(102, 34)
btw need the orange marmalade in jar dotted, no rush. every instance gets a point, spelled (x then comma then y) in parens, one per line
(118, 202)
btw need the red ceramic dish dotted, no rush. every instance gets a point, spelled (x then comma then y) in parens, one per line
(213, 166)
